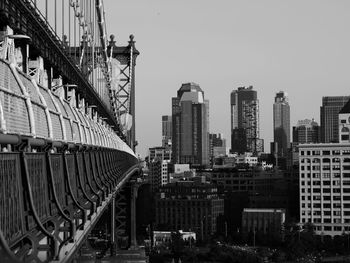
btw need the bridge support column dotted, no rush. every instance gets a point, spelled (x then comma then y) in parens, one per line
(133, 241)
(113, 239)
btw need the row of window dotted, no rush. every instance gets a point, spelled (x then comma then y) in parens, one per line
(317, 197)
(328, 197)
(325, 213)
(324, 160)
(325, 205)
(328, 190)
(325, 152)
(325, 167)
(326, 182)
(325, 175)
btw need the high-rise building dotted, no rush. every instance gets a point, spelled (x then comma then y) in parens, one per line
(166, 131)
(281, 123)
(245, 121)
(306, 131)
(330, 108)
(190, 119)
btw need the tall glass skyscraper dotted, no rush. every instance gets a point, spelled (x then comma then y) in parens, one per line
(329, 111)
(245, 121)
(190, 117)
(281, 123)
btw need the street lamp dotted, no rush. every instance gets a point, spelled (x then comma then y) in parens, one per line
(65, 89)
(26, 56)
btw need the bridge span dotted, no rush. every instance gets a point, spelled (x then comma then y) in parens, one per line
(67, 128)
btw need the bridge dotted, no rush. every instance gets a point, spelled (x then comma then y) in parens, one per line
(67, 129)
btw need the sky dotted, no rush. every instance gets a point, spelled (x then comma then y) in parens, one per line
(298, 46)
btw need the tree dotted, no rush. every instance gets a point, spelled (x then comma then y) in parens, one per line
(177, 245)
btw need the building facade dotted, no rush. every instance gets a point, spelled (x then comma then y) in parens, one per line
(324, 175)
(158, 173)
(190, 121)
(329, 111)
(306, 131)
(264, 221)
(190, 207)
(163, 153)
(167, 130)
(281, 123)
(245, 121)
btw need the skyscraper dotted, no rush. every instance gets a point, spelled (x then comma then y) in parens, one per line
(166, 131)
(281, 123)
(245, 121)
(190, 118)
(306, 131)
(330, 108)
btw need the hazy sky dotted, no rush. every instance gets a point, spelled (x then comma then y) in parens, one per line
(298, 46)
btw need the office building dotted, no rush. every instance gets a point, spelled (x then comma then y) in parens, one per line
(329, 111)
(190, 207)
(190, 119)
(281, 123)
(245, 121)
(306, 131)
(166, 131)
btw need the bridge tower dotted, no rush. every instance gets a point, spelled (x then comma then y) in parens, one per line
(123, 92)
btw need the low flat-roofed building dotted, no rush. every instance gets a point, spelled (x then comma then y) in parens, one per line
(266, 221)
(189, 206)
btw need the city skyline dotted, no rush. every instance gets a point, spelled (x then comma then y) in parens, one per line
(296, 46)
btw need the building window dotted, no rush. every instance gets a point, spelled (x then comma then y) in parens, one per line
(346, 175)
(326, 175)
(345, 137)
